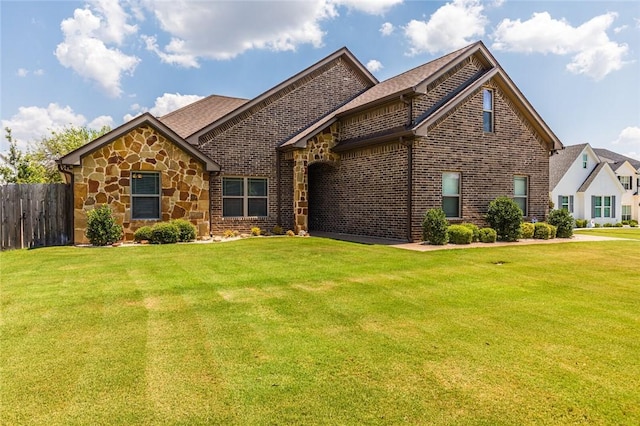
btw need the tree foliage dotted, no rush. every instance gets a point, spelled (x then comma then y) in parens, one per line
(39, 164)
(505, 217)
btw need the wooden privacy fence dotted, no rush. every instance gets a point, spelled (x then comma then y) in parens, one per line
(35, 215)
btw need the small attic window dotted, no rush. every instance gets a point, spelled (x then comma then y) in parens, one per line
(487, 110)
(585, 158)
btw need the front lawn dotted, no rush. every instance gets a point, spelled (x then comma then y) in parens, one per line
(314, 331)
(630, 233)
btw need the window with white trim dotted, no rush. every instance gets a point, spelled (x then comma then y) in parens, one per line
(603, 206)
(451, 194)
(626, 212)
(521, 193)
(244, 197)
(145, 195)
(625, 181)
(565, 202)
(487, 110)
(585, 159)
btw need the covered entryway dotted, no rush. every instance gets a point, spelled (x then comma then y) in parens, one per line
(323, 206)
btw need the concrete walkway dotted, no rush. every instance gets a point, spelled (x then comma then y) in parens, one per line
(428, 247)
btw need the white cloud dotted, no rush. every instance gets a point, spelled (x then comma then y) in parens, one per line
(223, 30)
(100, 122)
(452, 26)
(374, 65)
(629, 136)
(85, 47)
(33, 123)
(38, 72)
(164, 104)
(181, 59)
(22, 72)
(372, 7)
(620, 29)
(387, 28)
(595, 55)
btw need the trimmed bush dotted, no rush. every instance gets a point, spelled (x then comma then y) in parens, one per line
(633, 223)
(474, 228)
(618, 225)
(581, 223)
(142, 234)
(552, 231)
(277, 230)
(608, 225)
(164, 233)
(186, 230)
(542, 231)
(505, 217)
(102, 228)
(487, 235)
(459, 234)
(434, 227)
(255, 231)
(526, 230)
(563, 221)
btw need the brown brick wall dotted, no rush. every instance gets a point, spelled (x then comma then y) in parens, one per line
(365, 194)
(248, 147)
(486, 161)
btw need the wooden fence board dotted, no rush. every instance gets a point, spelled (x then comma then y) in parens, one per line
(35, 215)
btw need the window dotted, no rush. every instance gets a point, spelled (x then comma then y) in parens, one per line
(625, 181)
(603, 206)
(487, 110)
(585, 158)
(626, 212)
(244, 197)
(565, 202)
(521, 192)
(451, 194)
(145, 195)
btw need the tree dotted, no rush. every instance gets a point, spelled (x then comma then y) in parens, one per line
(20, 167)
(49, 149)
(39, 165)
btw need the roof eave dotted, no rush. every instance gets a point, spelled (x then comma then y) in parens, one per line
(404, 134)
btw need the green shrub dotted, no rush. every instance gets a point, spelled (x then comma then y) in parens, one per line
(552, 231)
(143, 233)
(186, 230)
(474, 228)
(618, 225)
(277, 230)
(597, 225)
(434, 227)
(633, 223)
(459, 234)
(608, 225)
(255, 231)
(625, 222)
(487, 235)
(581, 223)
(542, 231)
(164, 233)
(102, 228)
(505, 217)
(526, 230)
(563, 221)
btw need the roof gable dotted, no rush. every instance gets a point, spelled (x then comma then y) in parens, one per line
(289, 84)
(561, 161)
(614, 157)
(73, 158)
(602, 170)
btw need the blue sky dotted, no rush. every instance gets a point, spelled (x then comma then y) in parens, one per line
(104, 62)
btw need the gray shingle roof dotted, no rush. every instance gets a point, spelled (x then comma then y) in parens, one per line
(614, 157)
(193, 117)
(560, 162)
(591, 177)
(404, 81)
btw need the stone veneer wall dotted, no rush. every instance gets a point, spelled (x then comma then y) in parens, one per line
(104, 178)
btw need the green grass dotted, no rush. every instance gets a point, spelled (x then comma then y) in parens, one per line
(630, 233)
(314, 331)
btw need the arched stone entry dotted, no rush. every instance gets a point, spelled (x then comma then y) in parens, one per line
(318, 150)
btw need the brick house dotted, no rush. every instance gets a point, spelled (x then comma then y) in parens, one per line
(330, 149)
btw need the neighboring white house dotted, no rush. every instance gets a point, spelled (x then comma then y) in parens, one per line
(595, 184)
